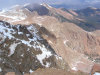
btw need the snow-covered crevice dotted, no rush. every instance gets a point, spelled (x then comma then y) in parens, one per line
(12, 48)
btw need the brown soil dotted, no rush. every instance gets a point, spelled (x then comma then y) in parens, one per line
(52, 71)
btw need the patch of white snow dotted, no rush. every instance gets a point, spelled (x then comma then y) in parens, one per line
(74, 68)
(65, 41)
(31, 71)
(47, 64)
(0, 69)
(12, 48)
(96, 73)
(20, 33)
(45, 54)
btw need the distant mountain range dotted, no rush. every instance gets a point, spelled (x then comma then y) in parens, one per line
(75, 7)
(74, 4)
(77, 4)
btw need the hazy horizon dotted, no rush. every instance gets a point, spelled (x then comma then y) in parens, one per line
(9, 3)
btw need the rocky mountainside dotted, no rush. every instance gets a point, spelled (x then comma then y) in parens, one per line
(61, 32)
(23, 50)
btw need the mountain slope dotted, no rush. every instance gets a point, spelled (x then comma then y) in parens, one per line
(23, 50)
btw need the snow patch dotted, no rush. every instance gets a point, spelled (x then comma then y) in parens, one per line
(96, 73)
(32, 29)
(31, 71)
(0, 70)
(74, 68)
(19, 63)
(58, 57)
(65, 41)
(27, 35)
(20, 33)
(26, 42)
(12, 48)
(45, 54)
(22, 55)
(47, 64)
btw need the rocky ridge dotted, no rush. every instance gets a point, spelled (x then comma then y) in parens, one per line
(23, 50)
